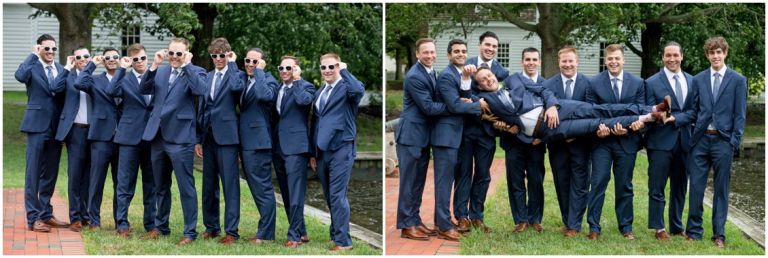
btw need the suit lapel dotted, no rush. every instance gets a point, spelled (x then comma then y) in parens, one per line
(689, 81)
(725, 83)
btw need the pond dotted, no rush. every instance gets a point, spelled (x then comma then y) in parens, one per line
(748, 185)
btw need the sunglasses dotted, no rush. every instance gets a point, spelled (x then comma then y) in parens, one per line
(329, 67)
(50, 48)
(180, 53)
(252, 61)
(86, 56)
(111, 57)
(142, 58)
(286, 68)
(214, 56)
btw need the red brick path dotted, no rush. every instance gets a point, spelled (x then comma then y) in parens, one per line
(395, 245)
(18, 240)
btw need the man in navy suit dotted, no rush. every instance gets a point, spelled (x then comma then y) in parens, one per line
(171, 129)
(41, 74)
(478, 145)
(73, 130)
(569, 159)
(720, 117)
(334, 134)
(668, 143)
(220, 143)
(412, 136)
(292, 144)
(447, 132)
(614, 86)
(133, 151)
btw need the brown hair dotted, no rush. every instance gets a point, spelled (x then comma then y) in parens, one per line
(567, 49)
(614, 47)
(290, 57)
(219, 45)
(423, 41)
(331, 55)
(180, 40)
(135, 48)
(715, 43)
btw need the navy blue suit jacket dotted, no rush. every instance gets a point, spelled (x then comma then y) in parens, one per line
(135, 112)
(449, 128)
(335, 123)
(174, 111)
(103, 121)
(71, 105)
(728, 112)
(523, 91)
(633, 91)
(219, 113)
(498, 70)
(664, 137)
(256, 111)
(555, 84)
(292, 123)
(474, 126)
(419, 103)
(43, 103)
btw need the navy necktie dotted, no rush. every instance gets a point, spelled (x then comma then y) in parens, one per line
(716, 86)
(174, 75)
(568, 89)
(216, 85)
(678, 91)
(50, 74)
(616, 89)
(324, 97)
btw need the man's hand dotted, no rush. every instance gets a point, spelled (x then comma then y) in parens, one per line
(199, 150)
(125, 62)
(342, 65)
(159, 58)
(489, 117)
(260, 64)
(618, 129)
(36, 49)
(513, 129)
(670, 119)
(313, 163)
(603, 131)
(500, 125)
(637, 125)
(97, 60)
(231, 56)
(484, 108)
(70, 62)
(551, 117)
(536, 141)
(465, 100)
(468, 72)
(296, 73)
(187, 57)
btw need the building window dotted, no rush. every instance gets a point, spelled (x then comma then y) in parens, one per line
(130, 35)
(502, 54)
(601, 61)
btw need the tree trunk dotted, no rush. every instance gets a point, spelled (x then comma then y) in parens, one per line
(650, 41)
(75, 26)
(398, 63)
(206, 14)
(548, 30)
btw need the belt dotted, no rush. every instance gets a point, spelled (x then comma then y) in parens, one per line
(80, 125)
(716, 132)
(539, 123)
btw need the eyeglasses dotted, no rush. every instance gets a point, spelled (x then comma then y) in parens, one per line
(286, 68)
(252, 61)
(214, 56)
(86, 56)
(50, 48)
(179, 54)
(111, 57)
(328, 67)
(142, 58)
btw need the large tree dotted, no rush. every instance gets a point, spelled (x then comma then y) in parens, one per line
(75, 22)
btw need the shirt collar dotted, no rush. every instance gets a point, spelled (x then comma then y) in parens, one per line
(429, 70)
(671, 74)
(565, 79)
(222, 71)
(334, 82)
(480, 62)
(536, 76)
(109, 77)
(721, 72)
(620, 77)
(137, 74)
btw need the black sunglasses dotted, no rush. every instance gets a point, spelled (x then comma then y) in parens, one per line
(111, 57)
(180, 53)
(253, 61)
(136, 59)
(214, 56)
(50, 48)
(281, 68)
(86, 56)
(329, 67)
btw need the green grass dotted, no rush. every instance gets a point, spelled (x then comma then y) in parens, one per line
(393, 102)
(369, 130)
(551, 242)
(105, 242)
(757, 131)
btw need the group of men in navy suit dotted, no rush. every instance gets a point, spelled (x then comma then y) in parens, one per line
(591, 126)
(158, 117)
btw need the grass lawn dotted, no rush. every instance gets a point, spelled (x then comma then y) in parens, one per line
(754, 131)
(369, 129)
(105, 242)
(393, 103)
(551, 242)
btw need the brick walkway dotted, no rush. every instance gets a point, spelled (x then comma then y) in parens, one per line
(396, 245)
(18, 240)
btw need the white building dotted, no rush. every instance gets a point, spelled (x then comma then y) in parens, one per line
(20, 33)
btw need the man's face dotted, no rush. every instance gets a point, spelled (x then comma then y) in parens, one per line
(426, 54)
(458, 55)
(250, 67)
(287, 75)
(139, 65)
(331, 72)
(531, 63)
(488, 48)
(112, 63)
(47, 56)
(568, 62)
(717, 58)
(80, 59)
(672, 58)
(486, 81)
(614, 61)
(175, 60)
(219, 59)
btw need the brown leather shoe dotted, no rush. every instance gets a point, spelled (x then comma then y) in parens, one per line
(152, 234)
(94, 227)
(414, 233)
(719, 243)
(476, 223)
(185, 241)
(40, 226)
(76, 226)
(55, 223)
(570, 233)
(464, 225)
(664, 105)
(427, 231)
(450, 235)
(305, 239)
(258, 241)
(689, 238)
(124, 233)
(682, 234)
(662, 235)
(563, 230)
(537, 227)
(337, 248)
(628, 235)
(593, 235)
(520, 227)
(292, 244)
(226, 240)
(209, 235)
